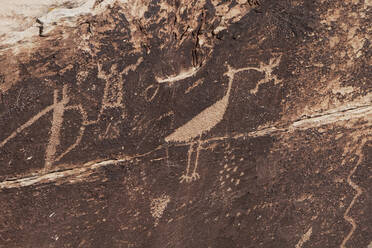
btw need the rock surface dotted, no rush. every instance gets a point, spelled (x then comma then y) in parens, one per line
(231, 123)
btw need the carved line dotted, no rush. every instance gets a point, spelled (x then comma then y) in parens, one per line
(101, 137)
(70, 148)
(27, 124)
(132, 67)
(54, 140)
(304, 238)
(105, 104)
(183, 75)
(194, 85)
(267, 69)
(85, 123)
(198, 148)
(151, 98)
(358, 190)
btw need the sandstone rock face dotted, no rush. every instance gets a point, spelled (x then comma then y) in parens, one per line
(234, 123)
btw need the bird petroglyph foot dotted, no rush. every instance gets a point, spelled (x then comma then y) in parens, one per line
(185, 178)
(195, 176)
(188, 179)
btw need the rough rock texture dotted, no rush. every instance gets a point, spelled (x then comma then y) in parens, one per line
(230, 123)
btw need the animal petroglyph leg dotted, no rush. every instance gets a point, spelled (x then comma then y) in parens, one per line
(85, 123)
(76, 143)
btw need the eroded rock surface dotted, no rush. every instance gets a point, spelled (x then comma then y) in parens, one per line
(135, 123)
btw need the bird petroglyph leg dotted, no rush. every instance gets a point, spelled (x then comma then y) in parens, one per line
(186, 177)
(195, 175)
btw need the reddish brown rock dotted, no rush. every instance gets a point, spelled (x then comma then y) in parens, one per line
(188, 124)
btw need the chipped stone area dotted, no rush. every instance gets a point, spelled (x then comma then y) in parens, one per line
(158, 206)
(133, 123)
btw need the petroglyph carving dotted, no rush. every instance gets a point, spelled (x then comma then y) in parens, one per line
(132, 67)
(194, 85)
(75, 144)
(202, 123)
(230, 174)
(85, 122)
(54, 140)
(112, 98)
(354, 148)
(268, 70)
(181, 76)
(112, 131)
(204, 144)
(158, 206)
(304, 238)
(58, 108)
(113, 92)
(27, 124)
(150, 92)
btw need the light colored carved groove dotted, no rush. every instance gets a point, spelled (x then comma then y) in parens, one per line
(358, 151)
(54, 140)
(182, 75)
(27, 124)
(304, 238)
(329, 117)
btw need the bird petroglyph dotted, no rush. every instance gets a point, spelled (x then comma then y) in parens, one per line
(202, 123)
